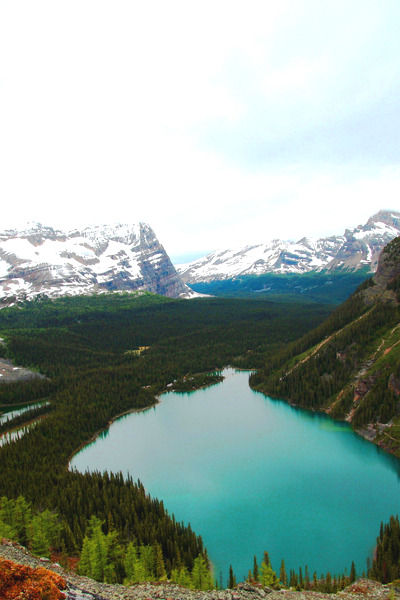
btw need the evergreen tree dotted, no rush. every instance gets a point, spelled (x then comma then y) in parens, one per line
(159, 563)
(39, 543)
(301, 581)
(97, 557)
(255, 569)
(232, 578)
(201, 575)
(283, 574)
(185, 579)
(147, 563)
(267, 575)
(306, 578)
(328, 583)
(353, 574)
(293, 579)
(131, 562)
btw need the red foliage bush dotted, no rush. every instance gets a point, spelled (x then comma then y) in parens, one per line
(18, 581)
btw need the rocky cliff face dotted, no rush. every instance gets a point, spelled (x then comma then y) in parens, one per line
(357, 248)
(387, 273)
(41, 260)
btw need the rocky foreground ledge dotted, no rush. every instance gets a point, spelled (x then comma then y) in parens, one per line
(82, 588)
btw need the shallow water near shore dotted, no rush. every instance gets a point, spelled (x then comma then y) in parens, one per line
(253, 474)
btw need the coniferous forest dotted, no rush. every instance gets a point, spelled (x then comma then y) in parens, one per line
(105, 355)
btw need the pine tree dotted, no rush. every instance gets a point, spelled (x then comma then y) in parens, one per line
(147, 563)
(185, 579)
(255, 569)
(306, 578)
(267, 575)
(39, 544)
(283, 574)
(85, 566)
(328, 583)
(131, 564)
(301, 581)
(201, 575)
(353, 574)
(231, 579)
(159, 563)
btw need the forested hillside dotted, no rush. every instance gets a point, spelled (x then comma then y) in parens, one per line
(105, 355)
(349, 366)
(323, 287)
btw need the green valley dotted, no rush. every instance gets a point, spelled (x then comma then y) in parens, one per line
(87, 347)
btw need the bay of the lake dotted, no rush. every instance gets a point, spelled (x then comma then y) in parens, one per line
(251, 474)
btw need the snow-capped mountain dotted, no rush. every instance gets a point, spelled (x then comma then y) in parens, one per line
(356, 248)
(41, 260)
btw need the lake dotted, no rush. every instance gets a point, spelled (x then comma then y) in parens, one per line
(9, 412)
(251, 474)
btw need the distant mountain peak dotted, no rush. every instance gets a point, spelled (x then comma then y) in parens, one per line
(97, 258)
(356, 248)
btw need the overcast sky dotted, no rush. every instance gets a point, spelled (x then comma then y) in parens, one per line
(217, 122)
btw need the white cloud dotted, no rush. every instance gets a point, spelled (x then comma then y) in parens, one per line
(216, 122)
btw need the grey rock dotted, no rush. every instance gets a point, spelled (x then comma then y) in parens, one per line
(43, 261)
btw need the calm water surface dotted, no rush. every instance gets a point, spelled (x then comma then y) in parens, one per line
(253, 474)
(9, 412)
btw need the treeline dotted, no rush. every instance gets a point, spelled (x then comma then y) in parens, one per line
(39, 530)
(17, 392)
(27, 416)
(386, 563)
(350, 310)
(106, 556)
(322, 286)
(328, 370)
(298, 580)
(84, 346)
(312, 375)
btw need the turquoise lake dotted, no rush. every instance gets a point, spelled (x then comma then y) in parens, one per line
(253, 474)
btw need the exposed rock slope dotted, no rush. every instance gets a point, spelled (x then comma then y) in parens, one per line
(355, 249)
(41, 260)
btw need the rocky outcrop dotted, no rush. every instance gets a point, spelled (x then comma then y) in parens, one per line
(387, 273)
(10, 373)
(41, 260)
(82, 588)
(357, 248)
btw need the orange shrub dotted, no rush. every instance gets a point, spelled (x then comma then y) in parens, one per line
(31, 584)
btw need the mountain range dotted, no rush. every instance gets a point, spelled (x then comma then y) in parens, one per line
(42, 260)
(357, 248)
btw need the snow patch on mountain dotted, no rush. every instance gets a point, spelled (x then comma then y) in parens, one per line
(357, 248)
(41, 260)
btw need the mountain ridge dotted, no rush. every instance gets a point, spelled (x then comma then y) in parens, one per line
(99, 258)
(349, 367)
(355, 249)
